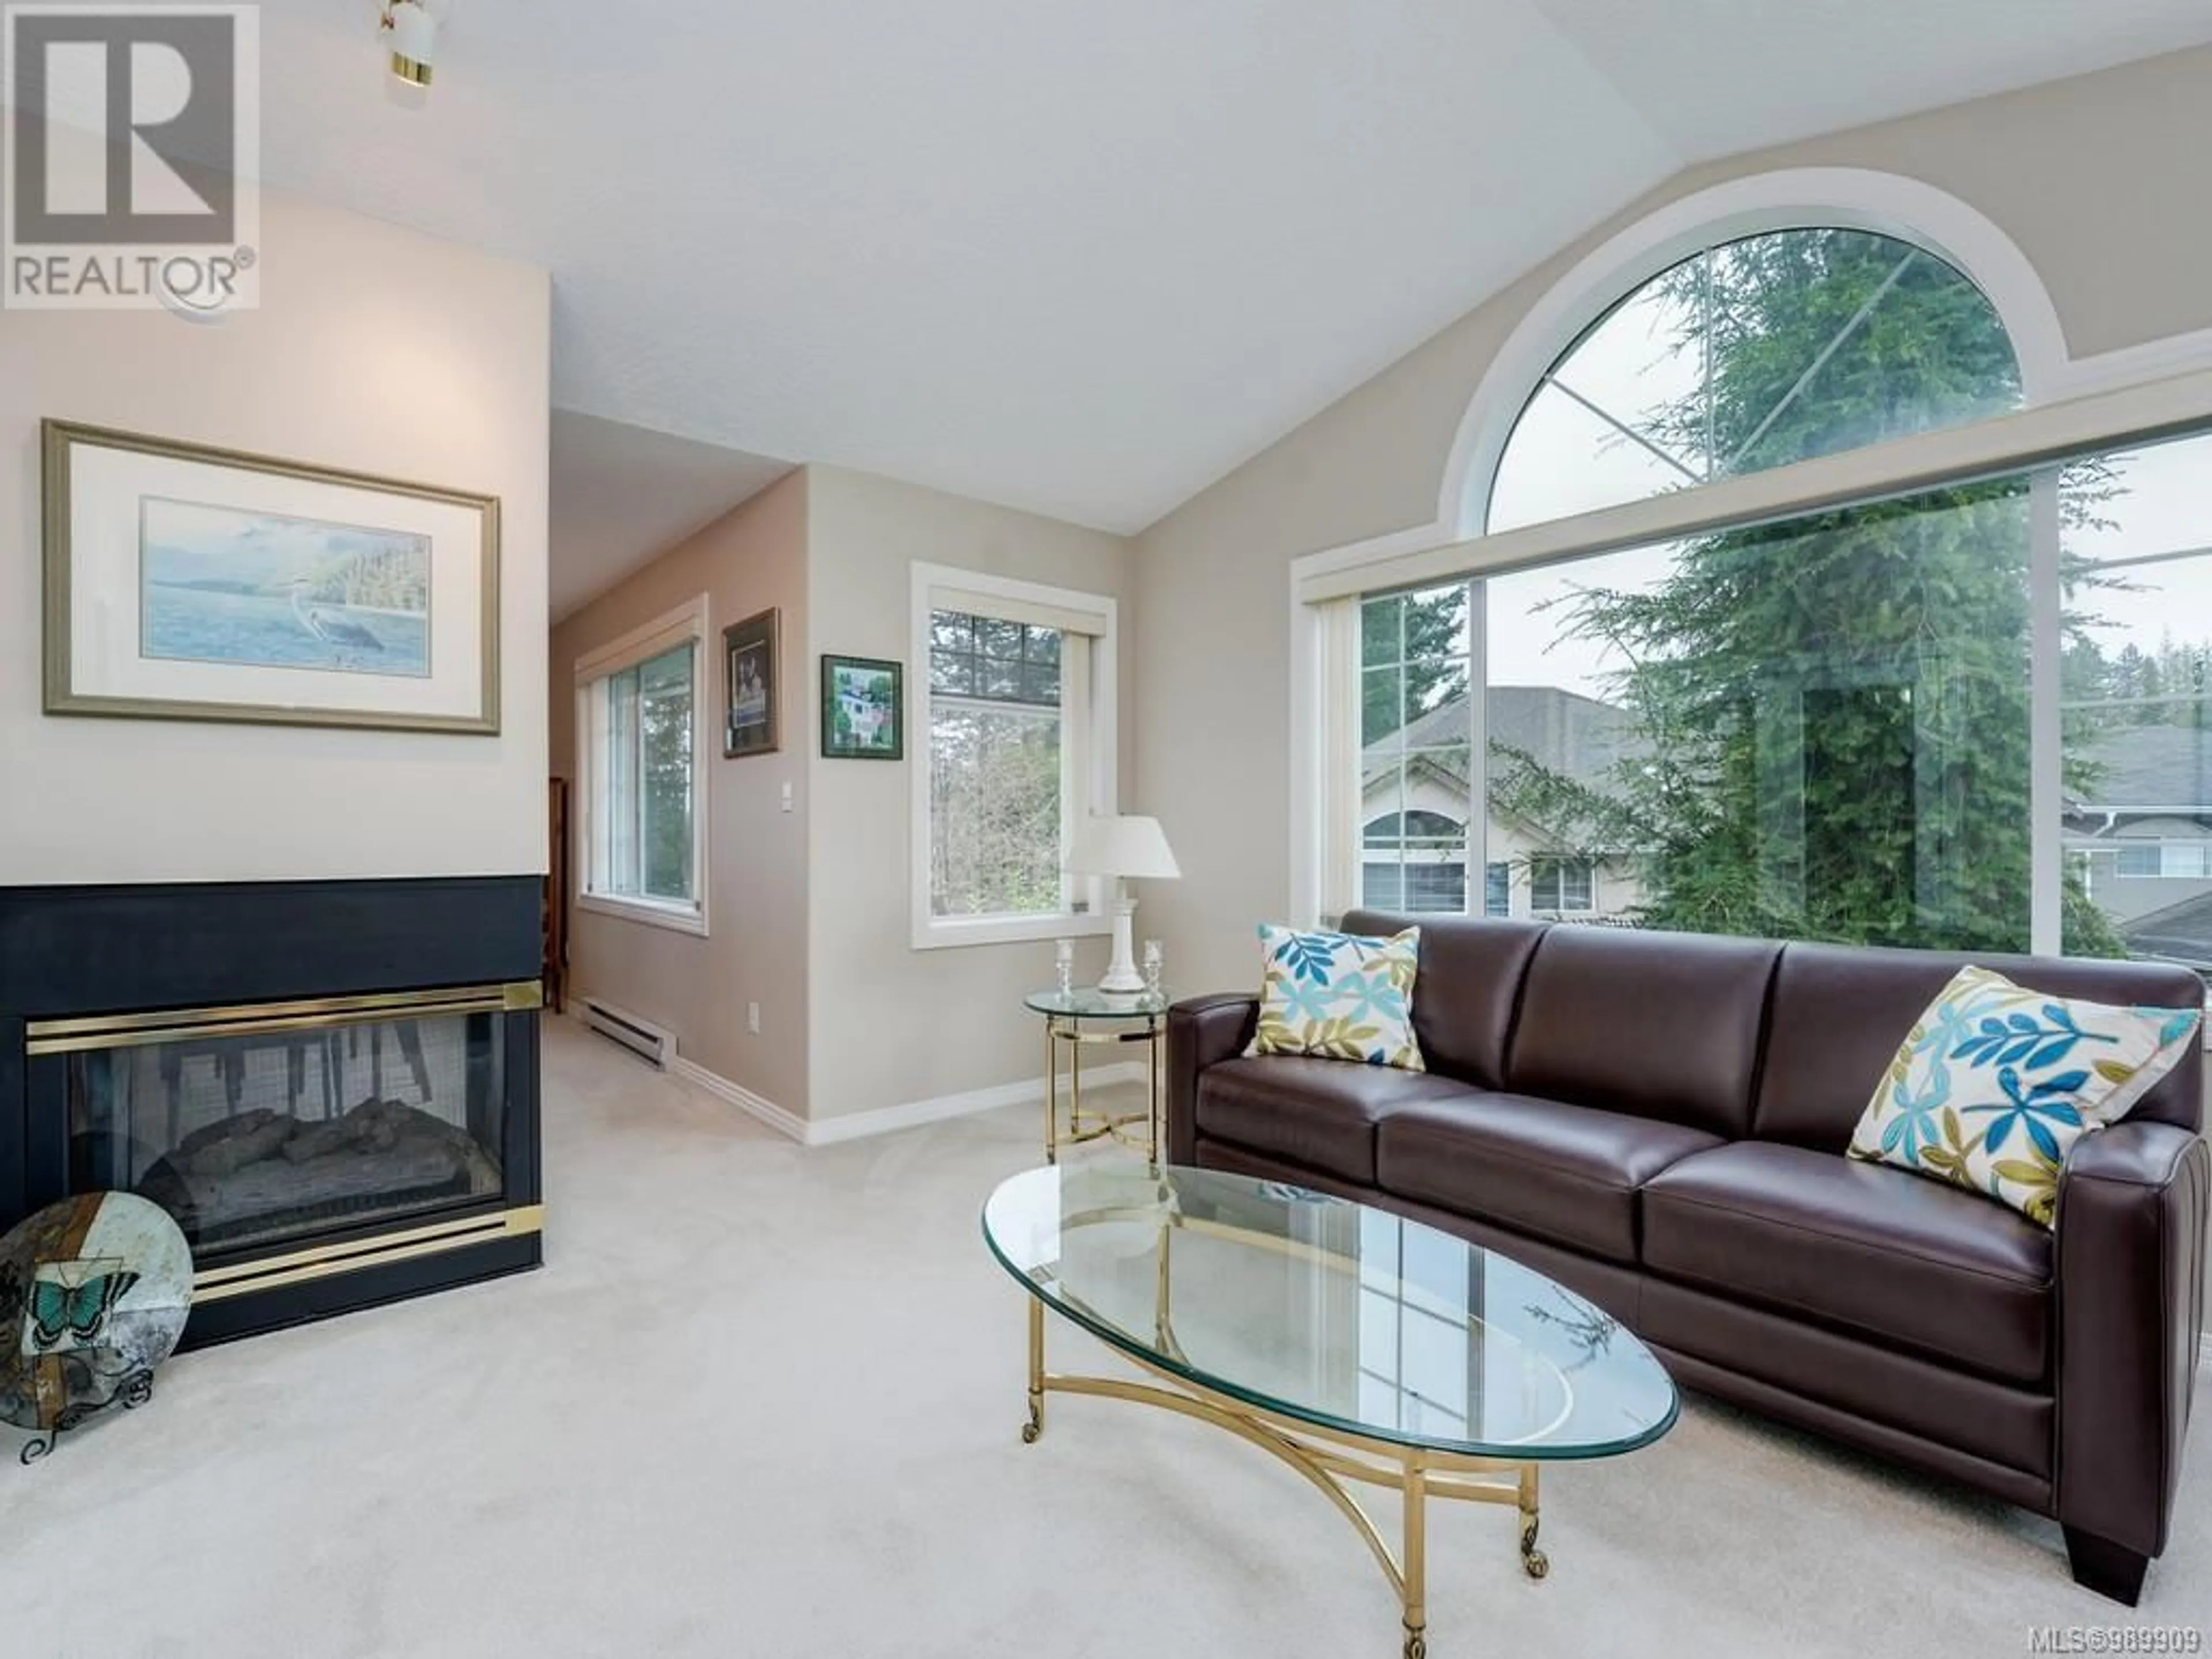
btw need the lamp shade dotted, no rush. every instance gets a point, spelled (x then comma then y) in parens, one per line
(1123, 847)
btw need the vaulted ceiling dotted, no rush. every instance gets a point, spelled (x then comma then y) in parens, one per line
(1079, 259)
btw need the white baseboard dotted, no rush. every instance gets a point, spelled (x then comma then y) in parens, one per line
(909, 1114)
(888, 1120)
(783, 1123)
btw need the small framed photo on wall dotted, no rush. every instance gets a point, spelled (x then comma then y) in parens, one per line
(749, 669)
(863, 709)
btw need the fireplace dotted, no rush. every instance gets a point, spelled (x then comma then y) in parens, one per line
(308, 1076)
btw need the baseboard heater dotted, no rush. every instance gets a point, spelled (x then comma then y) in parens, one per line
(654, 1044)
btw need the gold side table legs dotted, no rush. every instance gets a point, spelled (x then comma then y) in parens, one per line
(1328, 1459)
(1140, 1130)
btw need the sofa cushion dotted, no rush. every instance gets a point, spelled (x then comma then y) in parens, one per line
(1659, 1025)
(1318, 1113)
(1338, 996)
(1568, 1174)
(1838, 1012)
(1867, 1249)
(1995, 1085)
(1468, 986)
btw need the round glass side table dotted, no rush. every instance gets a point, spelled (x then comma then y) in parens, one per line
(1082, 1017)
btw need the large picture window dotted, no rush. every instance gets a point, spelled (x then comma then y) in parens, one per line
(640, 710)
(1976, 716)
(1019, 709)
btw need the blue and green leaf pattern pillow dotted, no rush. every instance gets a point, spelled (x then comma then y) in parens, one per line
(1339, 996)
(1996, 1081)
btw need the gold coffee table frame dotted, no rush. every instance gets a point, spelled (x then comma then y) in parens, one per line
(1328, 1457)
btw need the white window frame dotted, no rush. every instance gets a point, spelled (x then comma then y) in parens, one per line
(1090, 743)
(2140, 394)
(686, 622)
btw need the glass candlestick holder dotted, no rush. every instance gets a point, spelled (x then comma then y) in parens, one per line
(1063, 962)
(1155, 962)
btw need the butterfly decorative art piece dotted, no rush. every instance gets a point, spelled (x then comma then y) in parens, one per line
(70, 1301)
(95, 1291)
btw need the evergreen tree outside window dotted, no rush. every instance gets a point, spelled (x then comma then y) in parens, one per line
(1751, 355)
(994, 760)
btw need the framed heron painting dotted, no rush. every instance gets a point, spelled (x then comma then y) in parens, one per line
(190, 583)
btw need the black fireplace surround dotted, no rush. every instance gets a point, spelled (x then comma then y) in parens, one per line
(270, 1140)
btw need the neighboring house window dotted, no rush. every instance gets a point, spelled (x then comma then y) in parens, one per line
(1414, 861)
(2168, 860)
(1018, 706)
(1496, 888)
(1562, 884)
(640, 712)
(2136, 859)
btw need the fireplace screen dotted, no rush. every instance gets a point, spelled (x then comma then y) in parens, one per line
(253, 1127)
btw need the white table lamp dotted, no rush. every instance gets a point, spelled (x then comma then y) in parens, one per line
(1124, 849)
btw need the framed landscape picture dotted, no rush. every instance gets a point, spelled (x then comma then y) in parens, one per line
(749, 654)
(863, 709)
(188, 583)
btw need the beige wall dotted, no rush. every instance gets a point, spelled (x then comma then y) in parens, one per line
(2093, 177)
(893, 1024)
(809, 909)
(374, 350)
(698, 986)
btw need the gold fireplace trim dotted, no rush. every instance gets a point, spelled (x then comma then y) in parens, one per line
(62, 1037)
(323, 1260)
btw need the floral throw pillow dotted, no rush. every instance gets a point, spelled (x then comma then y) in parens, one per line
(1339, 996)
(1996, 1081)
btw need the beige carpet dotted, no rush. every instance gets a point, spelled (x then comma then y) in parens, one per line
(765, 1401)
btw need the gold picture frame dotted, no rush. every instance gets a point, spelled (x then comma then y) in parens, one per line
(400, 667)
(752, 685)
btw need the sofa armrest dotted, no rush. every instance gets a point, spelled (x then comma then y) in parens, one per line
(2130, 1294)
(1202, 1031)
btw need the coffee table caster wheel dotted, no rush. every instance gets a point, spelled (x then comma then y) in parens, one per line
(1533, 1561)
(1030, 1432)
(1417, 1645)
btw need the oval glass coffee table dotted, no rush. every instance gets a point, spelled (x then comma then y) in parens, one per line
(1359, 1347)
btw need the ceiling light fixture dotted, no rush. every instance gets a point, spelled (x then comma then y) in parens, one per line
(411, 30)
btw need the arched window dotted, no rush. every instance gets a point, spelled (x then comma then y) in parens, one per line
(1952, 708)
(1414, 828)
(1754, 354)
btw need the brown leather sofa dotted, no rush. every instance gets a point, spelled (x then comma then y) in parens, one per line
(1658, 1122)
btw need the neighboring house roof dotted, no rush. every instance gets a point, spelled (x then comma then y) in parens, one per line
(1578, 736)
(2149, 769)
(2179, 932)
